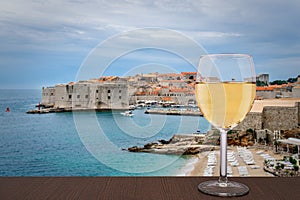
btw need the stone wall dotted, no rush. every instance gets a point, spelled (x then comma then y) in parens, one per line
(253, 120)
(279, 118)
(48, 96)
(272, 118)
(296, 92)
(62, 99)
(265, 94)
(81, 97)
(112, 95)
(298, 107)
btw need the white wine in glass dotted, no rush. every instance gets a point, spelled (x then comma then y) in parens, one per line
(225, 91)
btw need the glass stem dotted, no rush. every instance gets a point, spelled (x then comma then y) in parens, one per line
(223, 157)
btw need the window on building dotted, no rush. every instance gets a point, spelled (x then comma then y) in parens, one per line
(86, 96)
(97, 91)
(78, 96)
(120, 97)
(108, 97)
(120, 91)
(108, 91)
(62, 97)
(70, 96)
(51, 94)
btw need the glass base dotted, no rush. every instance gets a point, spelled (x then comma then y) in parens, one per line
(229, 189)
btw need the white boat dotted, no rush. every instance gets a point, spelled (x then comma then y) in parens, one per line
(127, 113)
(131, 107)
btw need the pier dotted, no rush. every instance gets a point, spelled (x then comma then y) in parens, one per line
(174, 112)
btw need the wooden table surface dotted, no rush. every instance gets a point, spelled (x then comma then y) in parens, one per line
(138, 188)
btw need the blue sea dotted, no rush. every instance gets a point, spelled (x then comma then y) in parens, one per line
(85, 143)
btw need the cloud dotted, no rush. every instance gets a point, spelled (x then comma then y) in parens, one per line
(280, 68)
(141, 46)
(71, 28)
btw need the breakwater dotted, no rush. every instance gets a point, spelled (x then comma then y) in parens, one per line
(58, 110)
(173, 112)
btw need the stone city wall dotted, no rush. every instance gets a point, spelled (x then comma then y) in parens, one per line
(253, 120)
(279, 118)
(272, 118)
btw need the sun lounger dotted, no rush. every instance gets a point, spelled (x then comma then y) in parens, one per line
(254, 167)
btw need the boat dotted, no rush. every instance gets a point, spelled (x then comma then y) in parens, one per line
(132, 107)
(127, 113)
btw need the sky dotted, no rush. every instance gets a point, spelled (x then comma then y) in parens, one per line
(47, 42)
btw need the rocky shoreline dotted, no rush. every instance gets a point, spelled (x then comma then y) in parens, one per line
(178, 145)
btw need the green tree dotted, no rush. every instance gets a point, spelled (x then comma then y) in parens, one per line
(296, 168)
(249, 131)
(292, 80)
(261, 83)
(287, 172)
(278, 82)
(292, 160)
(266, 162)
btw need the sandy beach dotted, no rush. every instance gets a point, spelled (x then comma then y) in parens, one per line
(200, 166)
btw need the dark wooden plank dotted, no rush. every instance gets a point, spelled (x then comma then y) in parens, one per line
(137, 188)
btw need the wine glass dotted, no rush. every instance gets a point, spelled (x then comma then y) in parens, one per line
(225, 91)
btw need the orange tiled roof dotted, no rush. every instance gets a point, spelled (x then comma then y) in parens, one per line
(166, 98)
(261, 88)
(275, 86)
(157, 89)
(140, 93)
(188, 73)
(192, 84)
(179, 90)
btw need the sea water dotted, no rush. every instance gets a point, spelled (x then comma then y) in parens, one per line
(86, 143)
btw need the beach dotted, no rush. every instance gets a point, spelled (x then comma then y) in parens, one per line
(252, 170)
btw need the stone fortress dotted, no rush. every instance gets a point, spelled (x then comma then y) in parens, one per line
(85, 95)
